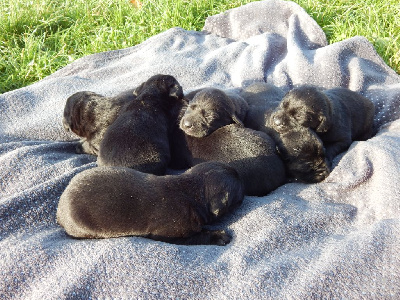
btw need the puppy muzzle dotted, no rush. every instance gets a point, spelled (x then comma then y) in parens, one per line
(278, 123)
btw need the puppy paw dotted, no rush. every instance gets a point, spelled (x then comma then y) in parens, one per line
(79, 148)
(219, 237)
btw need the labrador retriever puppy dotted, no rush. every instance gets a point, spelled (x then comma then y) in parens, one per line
(107, 202)
(300, 148)
(251, 153)
(302, 152)
(339, 116)
(263, 98)
(88, 115)
(141, 136)
(210, 109)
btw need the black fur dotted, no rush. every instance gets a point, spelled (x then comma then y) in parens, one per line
(263, 98)
(339, 116)
(141, 136)
(210, 109)
(88, 115)
(303, 153)
(252, 153)
(106, 202)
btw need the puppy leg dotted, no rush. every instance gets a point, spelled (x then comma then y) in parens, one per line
(204, 237)
(209, 237)
(84, 147)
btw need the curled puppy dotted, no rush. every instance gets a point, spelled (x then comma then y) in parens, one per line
(211, 109)
(88, 115)
(339, 116)
(140, 137)
(303, 153)
(252, 153)
(263, 98)
(106, 202)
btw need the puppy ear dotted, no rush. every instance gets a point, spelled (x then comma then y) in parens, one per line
(176, 91)
(325, 115)
(76, 117)
(237, 120)
(139, 89)
(324, 124)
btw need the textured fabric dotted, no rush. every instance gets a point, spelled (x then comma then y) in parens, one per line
(336, 239)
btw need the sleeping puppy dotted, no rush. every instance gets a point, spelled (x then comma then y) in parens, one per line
(302, 152)
(252, 153)
(210, 109)
(88, 115)
(107, 202)
(140, 137)
(263, 98)
(300, 148)
(339, 116)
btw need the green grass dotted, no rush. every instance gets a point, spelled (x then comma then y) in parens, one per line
(39, 37)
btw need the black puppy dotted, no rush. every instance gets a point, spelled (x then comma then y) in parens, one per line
(339, 115)
(210, 109)
(252, 154)
(263, 98)
(88, 115)
(140, 137)
(106, 202)
(302, 151)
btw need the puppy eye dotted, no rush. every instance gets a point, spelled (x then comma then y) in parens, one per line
(193, 106)
(208, 115)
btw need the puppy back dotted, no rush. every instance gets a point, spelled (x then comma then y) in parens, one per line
(251, 153)
(360, 110)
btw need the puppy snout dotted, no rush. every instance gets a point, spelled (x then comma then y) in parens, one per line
(323, 171)
(277, 121)
(66, 125)
(187, 124)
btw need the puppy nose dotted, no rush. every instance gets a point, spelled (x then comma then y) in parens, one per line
(277, 121)
(187, 124)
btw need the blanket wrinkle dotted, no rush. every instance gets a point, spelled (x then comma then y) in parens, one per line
(335, 239)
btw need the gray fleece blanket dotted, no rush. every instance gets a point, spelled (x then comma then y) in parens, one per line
(338, 239)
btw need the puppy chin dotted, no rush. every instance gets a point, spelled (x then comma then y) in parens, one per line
(309, 173)
(194, 132)
(308, 177)
(319, 175)
(279, 129)
(194, 129)
(66, 125)
(278, 123)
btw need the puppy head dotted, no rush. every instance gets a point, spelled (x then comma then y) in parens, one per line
(223, 187)
(166, 85)
(307, 106)
(79, 113)
(304, 154)
(209, 110)
(281, 122)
